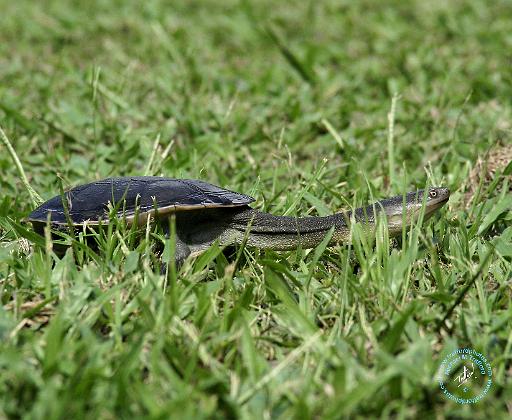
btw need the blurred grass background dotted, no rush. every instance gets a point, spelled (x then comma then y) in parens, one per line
(291, 102)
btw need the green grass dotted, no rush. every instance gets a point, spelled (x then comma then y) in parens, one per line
(289, 102)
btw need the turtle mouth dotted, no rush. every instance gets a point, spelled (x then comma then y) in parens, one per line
(437, 205)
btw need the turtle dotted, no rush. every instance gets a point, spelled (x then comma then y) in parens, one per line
(205, 213)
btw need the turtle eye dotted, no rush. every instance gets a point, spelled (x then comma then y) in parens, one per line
(432, 194)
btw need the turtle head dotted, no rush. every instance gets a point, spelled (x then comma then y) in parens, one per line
(411, 203)
(434, 198)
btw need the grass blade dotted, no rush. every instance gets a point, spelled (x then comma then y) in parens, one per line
(300, 67)
(36, 198)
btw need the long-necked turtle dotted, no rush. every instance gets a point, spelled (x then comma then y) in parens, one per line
(206, 213)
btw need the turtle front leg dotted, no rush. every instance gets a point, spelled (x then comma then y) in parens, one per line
(181, 251)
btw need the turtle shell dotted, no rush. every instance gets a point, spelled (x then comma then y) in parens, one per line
(146, 195)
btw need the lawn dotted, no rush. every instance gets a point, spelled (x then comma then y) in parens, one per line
(310, 107)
